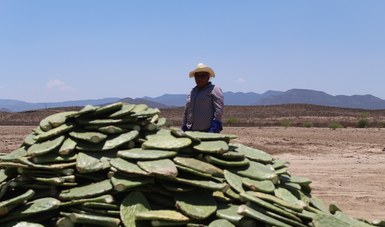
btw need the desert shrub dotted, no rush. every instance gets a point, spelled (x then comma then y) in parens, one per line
(285, 123)
(232, 120)
(363, 121)
(381, 124)
(334, 125)
(308, 124)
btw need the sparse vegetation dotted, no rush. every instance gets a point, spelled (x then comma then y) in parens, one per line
(308, 124)
(334, 125)
(285, 123)
(232, 120)
(363, 121)
(243, 116)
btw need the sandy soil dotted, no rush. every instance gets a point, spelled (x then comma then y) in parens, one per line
(346, 166)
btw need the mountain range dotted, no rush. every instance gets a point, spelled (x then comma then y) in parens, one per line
(293, 96)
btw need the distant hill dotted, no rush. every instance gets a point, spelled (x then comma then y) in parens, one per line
(231, 98)
(293, 96)
(150, 103)
(18, 106)
(304, 96)
(171, 100)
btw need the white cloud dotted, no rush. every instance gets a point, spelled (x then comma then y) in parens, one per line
(55, 84)
(241, 80)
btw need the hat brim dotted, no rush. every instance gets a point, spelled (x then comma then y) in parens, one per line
(205, 69)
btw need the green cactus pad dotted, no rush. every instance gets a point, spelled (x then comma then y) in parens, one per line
(273, 199)
(146, 113)
(220, 162)
(256, 171)
(30, 139)
(197, 204)
(234, 180)
(205, 184)
(62, 129)
(303, 181)
(124, 111)
(162, 167)
(33, 207)
(317, 203)
(268, 206)
(210, 136)
(212, 147)
(60, 118)
(193, 171)
(101, 199)
(352, 222)
(14, 155)
(229, 212)
(55, 166)
(132, 204)
(8, 205)
(248, 212)
(139, 108)
(161, 223)
(165, 215)
(276, 216)
(123, 183)
(86, 191)
(67, 147)
(199, 166)
(176, 187)
(262, 186)
(103, 122)
(325, 220)
(45, 147)
(221, 223)
(119, 140)
(91, 162)
(91, 137)
(127, 167)
(165, 142)
(286, 195)
(111, 129)
(252, 153)
(108, 109)
(54, 158)
(25, 224)
(94, 219)
(3, 175)
(140, 154)
(87, 110)
(278, 164)
(101, 205)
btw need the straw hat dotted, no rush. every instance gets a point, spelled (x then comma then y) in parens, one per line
(202, 68)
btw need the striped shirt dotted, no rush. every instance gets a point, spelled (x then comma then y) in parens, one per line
(203, 106)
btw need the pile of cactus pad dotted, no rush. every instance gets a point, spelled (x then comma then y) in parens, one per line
(119, 165)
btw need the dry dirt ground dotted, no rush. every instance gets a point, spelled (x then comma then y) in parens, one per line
(346, 165)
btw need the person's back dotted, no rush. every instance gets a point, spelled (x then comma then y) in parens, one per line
(204, 105)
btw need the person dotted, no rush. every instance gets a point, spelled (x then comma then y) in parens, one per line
(204, 106)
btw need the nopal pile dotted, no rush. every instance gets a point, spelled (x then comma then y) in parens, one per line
(117, 165)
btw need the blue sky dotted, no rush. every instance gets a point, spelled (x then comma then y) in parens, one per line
(86, 49)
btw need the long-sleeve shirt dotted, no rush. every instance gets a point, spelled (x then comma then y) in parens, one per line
(203, 106)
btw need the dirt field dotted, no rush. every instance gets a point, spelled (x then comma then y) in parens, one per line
(346, 166)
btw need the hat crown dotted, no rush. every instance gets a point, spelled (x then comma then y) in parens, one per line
(202, 68)
(201, 65)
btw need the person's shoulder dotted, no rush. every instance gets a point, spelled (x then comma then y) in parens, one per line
(216, 88)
